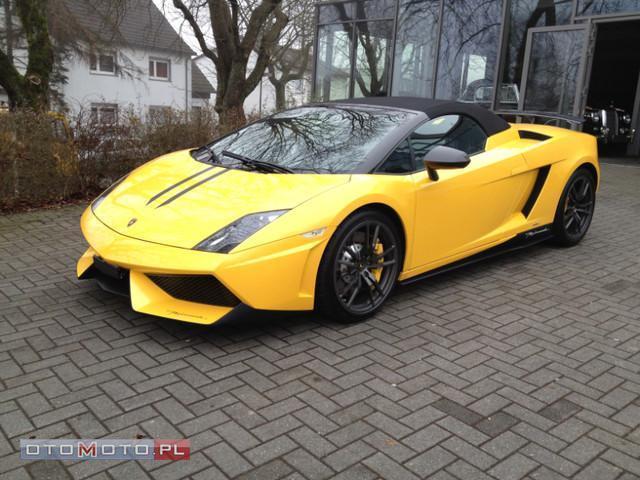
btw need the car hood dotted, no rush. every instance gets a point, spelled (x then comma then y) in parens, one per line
(177, 201)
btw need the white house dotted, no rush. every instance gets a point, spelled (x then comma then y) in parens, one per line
(137, 61)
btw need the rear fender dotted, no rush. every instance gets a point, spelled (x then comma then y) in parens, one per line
(564, 153)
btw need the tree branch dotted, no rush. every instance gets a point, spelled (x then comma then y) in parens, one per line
(257, 21)
(10, 79)
(33, 16)
(197, 31)
(221, 19)
(235, 29)
(269, 40)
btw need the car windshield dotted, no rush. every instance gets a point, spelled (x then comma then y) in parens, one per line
(314, 139)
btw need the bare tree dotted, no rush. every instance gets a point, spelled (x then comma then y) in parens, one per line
(238, 28)
(37, 36)
(31, 88)
(7, 35)
(292, 55)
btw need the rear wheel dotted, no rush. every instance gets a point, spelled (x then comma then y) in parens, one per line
(359, 268)
(575, 209)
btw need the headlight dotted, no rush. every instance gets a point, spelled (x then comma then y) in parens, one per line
(96, 203)
(226, 239)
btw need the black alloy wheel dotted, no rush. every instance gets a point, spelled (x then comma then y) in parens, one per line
(576, 208)
(360, 267)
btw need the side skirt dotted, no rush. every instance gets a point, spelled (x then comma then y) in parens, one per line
(523, 240)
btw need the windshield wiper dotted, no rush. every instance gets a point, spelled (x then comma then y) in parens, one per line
(258, 164)
(318, 170)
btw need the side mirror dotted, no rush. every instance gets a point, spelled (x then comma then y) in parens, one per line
(444, 158)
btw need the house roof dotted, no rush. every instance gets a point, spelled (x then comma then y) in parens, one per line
(130, 22)
(200, 86)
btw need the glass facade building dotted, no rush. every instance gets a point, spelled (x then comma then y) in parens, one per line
(534, 55)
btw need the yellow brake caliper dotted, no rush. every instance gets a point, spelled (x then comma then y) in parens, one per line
(377, 272)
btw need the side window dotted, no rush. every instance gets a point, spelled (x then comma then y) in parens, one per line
(455, 131)
(399, 161)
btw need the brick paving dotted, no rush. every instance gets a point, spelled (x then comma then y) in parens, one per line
(526, 366)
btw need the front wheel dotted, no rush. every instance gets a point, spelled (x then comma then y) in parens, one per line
(359, 268)
(575, 209)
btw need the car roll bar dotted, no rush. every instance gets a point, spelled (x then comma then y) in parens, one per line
(573, 120)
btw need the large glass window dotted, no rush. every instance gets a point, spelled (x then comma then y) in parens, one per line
(468, 50)
(335, 12)
(373, 54)
(552, 79)
(416, 43)
(375, 9)
(369, 61)
(607, 7)
(526, 14)
(333, 64)
(356, 10)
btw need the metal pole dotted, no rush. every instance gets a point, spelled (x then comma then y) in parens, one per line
(314, 67)
(634, 147)
(504, 38)
(436, 58)
(394, 40)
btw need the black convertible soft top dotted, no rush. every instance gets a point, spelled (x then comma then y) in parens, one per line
(489, 121)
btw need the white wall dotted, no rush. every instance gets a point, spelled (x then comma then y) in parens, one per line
(131, 87)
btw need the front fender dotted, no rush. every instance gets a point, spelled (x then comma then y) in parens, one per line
(329, 209)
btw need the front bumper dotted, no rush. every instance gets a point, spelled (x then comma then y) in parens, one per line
(277, 276)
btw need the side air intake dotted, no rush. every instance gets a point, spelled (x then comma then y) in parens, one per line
(529, 135)
(543, 173)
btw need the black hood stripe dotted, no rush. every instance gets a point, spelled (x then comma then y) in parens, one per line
(168, 189)
(195, 185)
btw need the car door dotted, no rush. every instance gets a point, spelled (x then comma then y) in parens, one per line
(467, 208)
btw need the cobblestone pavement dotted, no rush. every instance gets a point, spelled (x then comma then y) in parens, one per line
(527, 366)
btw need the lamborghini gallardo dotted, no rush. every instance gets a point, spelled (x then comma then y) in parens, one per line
(328, 206)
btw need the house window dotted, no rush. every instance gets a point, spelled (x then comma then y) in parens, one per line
(104, 113)
(159, 113)
(104, 63)
(159, 69)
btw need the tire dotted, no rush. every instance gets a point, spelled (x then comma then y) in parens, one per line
(575, 209)
(351, 287)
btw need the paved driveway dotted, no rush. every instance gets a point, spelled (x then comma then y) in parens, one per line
(527, 366)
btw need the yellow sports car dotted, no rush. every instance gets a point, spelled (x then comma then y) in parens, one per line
(329, 206)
